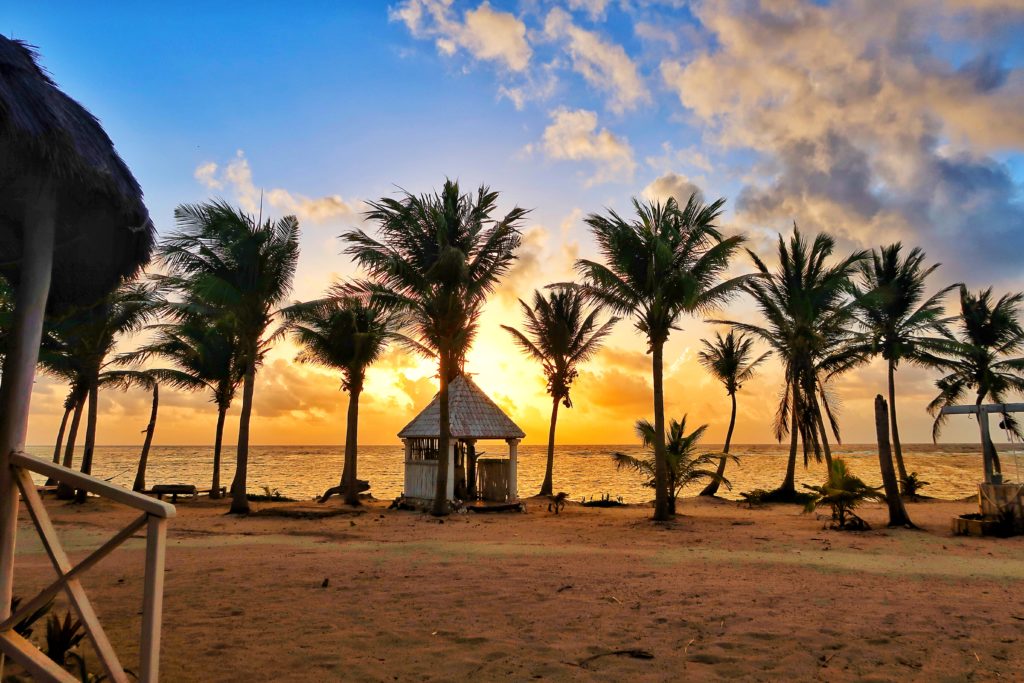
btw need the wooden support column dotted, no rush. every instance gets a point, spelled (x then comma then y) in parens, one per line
(513, 456)
(450, 484)
(152, 600)
(471, 468)
(19, 369)
(405, 470)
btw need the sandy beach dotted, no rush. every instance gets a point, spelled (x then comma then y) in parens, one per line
(722, 592)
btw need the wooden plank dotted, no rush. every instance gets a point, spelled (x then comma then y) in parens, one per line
(73, 587)
(44, 596)
(986, 407)
(152, 601)
(38, 665)
(78, 480)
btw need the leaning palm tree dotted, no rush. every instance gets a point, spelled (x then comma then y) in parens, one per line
(982, 358)
(436, 259)
(730, 360)
(685, 466)
(561, 334)
(202, 356)
(347, 330)
(666, 262)
(898, 321)
(235, 269)
(125, 380)
(79, 345)
(808, 310)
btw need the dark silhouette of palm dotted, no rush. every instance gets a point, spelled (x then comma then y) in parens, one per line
(666, 262)
(561, 334)
(730, 360)
(436, 259)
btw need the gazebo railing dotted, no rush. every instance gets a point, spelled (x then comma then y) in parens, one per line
(155, 514)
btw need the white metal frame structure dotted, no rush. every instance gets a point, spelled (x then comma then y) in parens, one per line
(982, 412)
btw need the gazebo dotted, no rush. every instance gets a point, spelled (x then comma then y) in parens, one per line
(473, 417)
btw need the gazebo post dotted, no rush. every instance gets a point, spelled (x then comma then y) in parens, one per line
(450, 484)
(471, 467)
(513, 453)
(19, 370)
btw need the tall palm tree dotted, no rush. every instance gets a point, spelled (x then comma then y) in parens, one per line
(203, 356)
(560, 334)
(125, 380)
(347, 330)
(78, 346)
(437, 258)
(731, 361)
(898, 321)
(808, 309)
(666, 262)
(236, 269)
(685, 466)
(982, 357)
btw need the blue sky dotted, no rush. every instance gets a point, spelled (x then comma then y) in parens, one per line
(873, 121)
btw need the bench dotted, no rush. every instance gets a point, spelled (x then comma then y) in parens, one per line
(173, 490)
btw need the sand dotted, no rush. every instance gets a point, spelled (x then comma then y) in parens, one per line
(723, 592)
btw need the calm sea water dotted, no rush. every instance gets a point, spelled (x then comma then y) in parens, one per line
(305, 471)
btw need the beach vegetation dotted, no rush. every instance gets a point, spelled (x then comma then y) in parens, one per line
(842, 492)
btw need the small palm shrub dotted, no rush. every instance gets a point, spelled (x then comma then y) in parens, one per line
(62, 636)
(912, 485)
(843, 492)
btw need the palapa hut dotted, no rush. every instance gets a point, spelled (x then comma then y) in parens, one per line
(72, 225)
(473, 417)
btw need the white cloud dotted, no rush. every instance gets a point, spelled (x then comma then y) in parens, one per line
(595, 9)
(484, 32)
(604, 65)
(672, 185)
(574, 136)
(237, 176)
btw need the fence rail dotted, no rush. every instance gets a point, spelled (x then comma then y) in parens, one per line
(155, 514)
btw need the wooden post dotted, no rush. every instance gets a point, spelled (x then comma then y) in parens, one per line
(450, 483)
(152, 600)
(897, 512)
(513, 456)
(19, 370)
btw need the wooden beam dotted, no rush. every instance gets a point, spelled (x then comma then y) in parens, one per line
(78, 480)
(152, 601)
(73, 587)
(38, 665)
(986, 408)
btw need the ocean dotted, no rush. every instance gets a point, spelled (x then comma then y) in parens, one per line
(303, 472)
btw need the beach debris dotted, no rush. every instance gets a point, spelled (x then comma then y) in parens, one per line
(557, 502)
(326, 582)
(566, 587)
(632, 653)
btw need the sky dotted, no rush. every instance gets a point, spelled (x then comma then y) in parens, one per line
(872, 121)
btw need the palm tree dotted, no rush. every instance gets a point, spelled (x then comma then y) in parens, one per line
(807, 307)
(560, 335)
(203, 356)
(437, 259)
(347, 330)
(684, 465)
(729, 360)
(843, 492)
(78, 347)
(666, 262)
(980, 357)
(898, 321)
(125, 380)
(234, 269)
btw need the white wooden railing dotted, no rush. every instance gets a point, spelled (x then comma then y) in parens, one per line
(420, 478)
(155, 514)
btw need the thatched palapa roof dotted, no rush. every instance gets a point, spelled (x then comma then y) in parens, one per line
(472, 415)
(104, 232)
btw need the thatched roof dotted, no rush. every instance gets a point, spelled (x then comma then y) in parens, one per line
(472, 415)
(103, 228)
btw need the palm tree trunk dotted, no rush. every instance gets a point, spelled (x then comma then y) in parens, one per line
(140, 474)
(90, 438)
(897, 448)
(218, 441)
(65, 492)
(348, 483)
(60, 440)
(441, 488)
(239, 497)
(547, 488)
(897, 512)
(789, 483)
(661, 507)
(712, 487)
